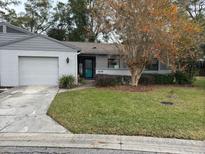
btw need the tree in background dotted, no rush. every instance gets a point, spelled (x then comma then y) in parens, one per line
(9, 14)
(4, 4)
(12, 17)
(83, 20)
(70, 20)
(98, 21)
(76, 20)
(62, 16)
(187, 48)
(36, 17)
(61, 22)
(58, 34)
(195, 9)
(79, 16)
(151, 29)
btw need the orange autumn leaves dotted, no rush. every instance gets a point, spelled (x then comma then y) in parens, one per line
(151, 29)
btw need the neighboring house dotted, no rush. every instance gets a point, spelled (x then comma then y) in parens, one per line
(30, 59)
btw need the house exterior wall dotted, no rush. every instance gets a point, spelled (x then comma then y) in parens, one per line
(101, 62)
(102, 68)
(9, 64)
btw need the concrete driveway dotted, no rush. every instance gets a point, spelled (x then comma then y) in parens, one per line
(24, 110)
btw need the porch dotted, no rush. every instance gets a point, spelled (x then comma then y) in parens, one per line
(87, 66)
(91, 65)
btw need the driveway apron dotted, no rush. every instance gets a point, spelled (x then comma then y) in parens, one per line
(24, 109)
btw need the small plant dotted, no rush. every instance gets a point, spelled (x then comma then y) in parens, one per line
(67, 81)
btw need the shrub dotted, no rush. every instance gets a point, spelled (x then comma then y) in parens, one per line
(164, 79)
(146, 79)
(107, 80)
(183, 78)
(67, 81)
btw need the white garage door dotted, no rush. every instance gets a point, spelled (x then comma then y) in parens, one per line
(38, 71)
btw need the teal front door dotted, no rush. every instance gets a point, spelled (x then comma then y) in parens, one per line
(88, 68)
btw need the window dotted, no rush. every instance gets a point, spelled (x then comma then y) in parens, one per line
(163, 66)
(114, 63)
(124, 65)
(154, 66)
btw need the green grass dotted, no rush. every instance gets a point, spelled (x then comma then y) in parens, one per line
(104, 111)
(200, 82)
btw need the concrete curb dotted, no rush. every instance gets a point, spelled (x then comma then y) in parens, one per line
(109, 142)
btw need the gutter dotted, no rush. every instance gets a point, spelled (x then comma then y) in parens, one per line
(78, 52)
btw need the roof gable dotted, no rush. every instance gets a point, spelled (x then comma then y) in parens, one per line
(14, 29)
(37, 43)
(25, 35)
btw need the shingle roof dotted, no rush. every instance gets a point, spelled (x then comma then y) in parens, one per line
(95, 48)
(27, 35)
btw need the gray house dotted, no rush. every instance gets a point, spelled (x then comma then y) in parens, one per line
(31, 59)
(98, 58)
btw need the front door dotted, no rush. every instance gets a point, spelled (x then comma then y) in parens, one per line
(88, 68)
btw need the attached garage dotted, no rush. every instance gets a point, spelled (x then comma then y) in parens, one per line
(30, 59)
(38, 71)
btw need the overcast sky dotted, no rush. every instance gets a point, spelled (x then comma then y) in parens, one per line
(20, 7)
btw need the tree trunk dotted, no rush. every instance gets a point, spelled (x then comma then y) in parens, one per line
(135, 76)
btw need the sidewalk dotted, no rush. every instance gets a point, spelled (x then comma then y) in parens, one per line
(105, 142)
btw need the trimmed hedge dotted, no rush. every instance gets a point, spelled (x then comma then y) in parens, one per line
(107, 80)
(146, 79)
(164, 79)
(183, 78)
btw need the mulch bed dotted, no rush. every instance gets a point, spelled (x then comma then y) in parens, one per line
(139, 88)
(143, 88)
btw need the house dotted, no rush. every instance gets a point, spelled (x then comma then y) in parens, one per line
(31, 59)
(98, 58)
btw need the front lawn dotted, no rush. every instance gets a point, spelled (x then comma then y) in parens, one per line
(106, 111)
(200, 82)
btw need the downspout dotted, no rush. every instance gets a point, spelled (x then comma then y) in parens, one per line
(78, 52)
